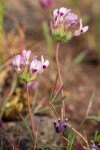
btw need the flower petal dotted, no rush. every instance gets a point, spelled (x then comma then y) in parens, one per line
(16, 62)
(81, 29)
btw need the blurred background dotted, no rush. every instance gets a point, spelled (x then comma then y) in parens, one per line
(24, 24)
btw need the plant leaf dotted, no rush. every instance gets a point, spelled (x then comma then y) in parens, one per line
(6, 99)
(58, 92)
(58, 100)
(77, 60)
(90, 104)
(45, 109)
(96, 137)
(48, 39)
(52, 93)
(93, 118)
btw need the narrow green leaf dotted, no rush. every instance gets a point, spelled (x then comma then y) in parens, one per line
(88, 108)
(52, 93)
(96, 133)
(58, 100)
(51, 146)
(2, 11)
(77, 60)
(96, 137)
(48, 39)
(28, 129)
(8, 97)
(58, 92)
(90, 104)
(45, 109)
(70, 137)
(93, 118)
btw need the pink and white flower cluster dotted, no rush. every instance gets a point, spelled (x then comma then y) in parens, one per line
(27, 69)
(63, 25)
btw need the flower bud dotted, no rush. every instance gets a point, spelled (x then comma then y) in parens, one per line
(60, 125)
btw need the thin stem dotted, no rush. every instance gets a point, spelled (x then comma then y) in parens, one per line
(54, 109)
(60, 78)
(78, 134)
(30, 113)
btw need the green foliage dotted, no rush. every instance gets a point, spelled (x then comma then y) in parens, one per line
(93, 118)
(77, 60)
(27, 128)
(57, 94)
(54, 86)
(54, 98)
(26, 77)
(2, 11)
(70, 137)
(88, 109)
(97, 33)
(90, 105)
(96, 137)
(58, 100)
(7, 98)
(45, 109)
(48, 39)
(52, 146)
(74, 1)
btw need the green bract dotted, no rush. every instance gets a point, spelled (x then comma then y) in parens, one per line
(26, 77)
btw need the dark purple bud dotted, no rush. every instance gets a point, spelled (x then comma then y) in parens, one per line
(60, 126)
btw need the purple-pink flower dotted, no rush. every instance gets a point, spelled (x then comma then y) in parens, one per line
(16, 63)
(25, 57)
(37, 67)
(28, 70)
(63, 25)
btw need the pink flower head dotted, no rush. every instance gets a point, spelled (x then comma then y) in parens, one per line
(29, 71)
(64, 23)
(45, 3)
(16, 63)
(37, 67)
(25, 57)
